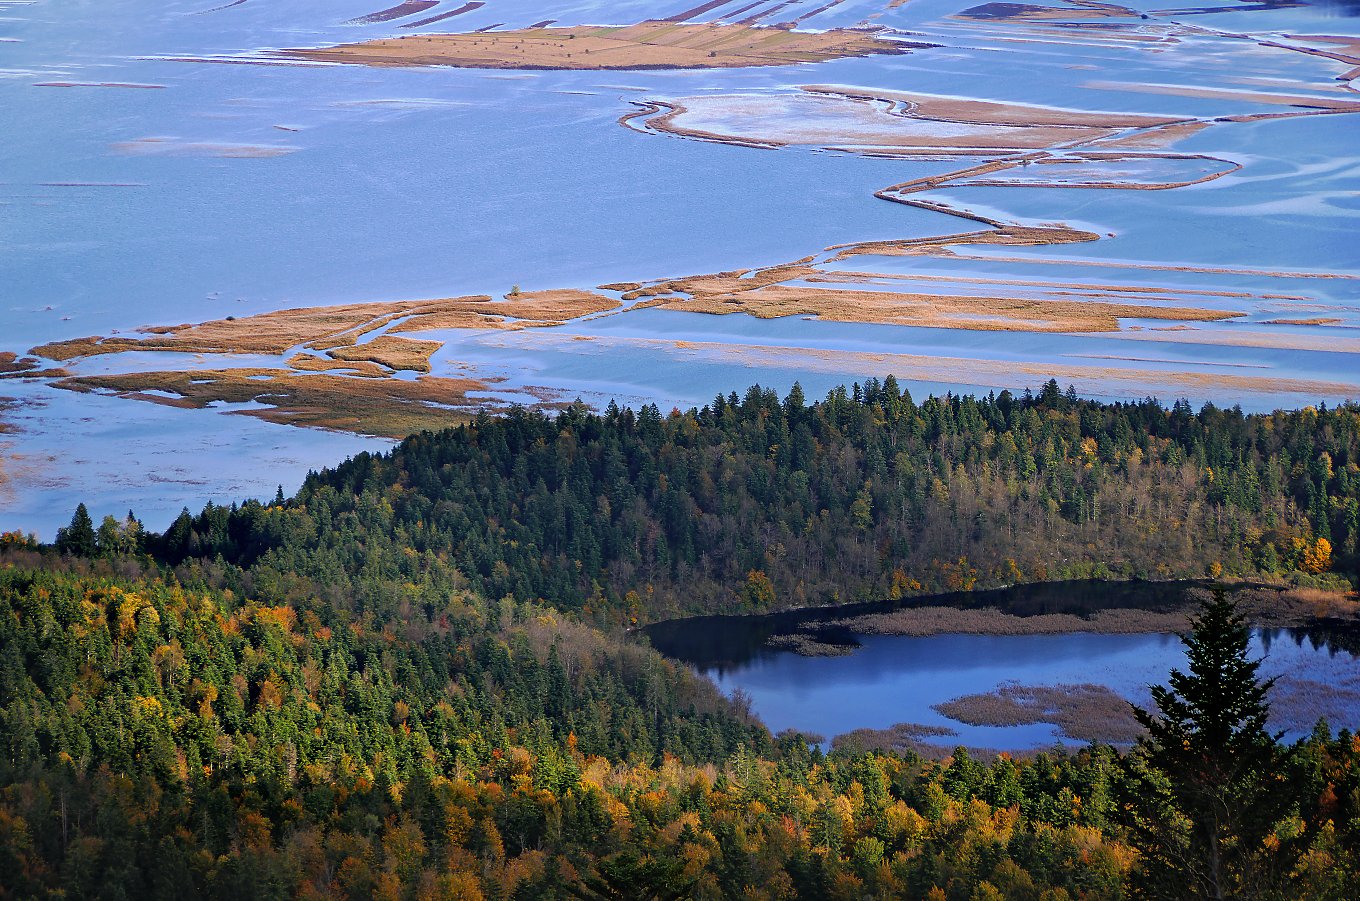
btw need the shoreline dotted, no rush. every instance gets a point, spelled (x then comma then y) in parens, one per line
(832, 630)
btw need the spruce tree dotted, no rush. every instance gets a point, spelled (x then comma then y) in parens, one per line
(79, 537)
(1210, 782)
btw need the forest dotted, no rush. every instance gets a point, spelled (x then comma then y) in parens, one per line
(751, 504)
(414, 678)
(166, 739)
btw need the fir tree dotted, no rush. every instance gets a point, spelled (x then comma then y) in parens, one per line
(1210, 780)
(79, 537)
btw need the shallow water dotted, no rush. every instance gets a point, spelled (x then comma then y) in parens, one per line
(228, 189)
(898, 679)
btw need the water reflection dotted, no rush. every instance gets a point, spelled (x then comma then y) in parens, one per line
(901, 679)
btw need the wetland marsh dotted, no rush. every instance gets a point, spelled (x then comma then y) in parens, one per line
(1014, 670)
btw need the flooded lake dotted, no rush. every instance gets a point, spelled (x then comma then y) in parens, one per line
(892, 679)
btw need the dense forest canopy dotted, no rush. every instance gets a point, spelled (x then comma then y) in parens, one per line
(160, 738)
(755, 503)
(394, 684)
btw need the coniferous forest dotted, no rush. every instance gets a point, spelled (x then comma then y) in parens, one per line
(412, 680)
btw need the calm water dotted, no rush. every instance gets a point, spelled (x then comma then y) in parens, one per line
(898, 679)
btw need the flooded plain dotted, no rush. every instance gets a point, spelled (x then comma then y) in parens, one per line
(1131, 199)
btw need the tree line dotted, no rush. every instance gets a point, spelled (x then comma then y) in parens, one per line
(756, 503)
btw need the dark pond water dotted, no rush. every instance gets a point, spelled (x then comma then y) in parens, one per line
(900, 679)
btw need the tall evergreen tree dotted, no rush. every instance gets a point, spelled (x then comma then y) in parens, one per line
(1211, 783)
(79, 537)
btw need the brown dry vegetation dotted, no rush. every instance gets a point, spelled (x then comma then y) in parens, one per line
(11, 363)
(646, 45)
(923, 621)
(1298, 702)
(1278, 340)
(810, 644)
(266, 333)
(391, 351)
(1090, 713)
(1280, 608)
(724, 283)
(934, 311)
(1157, 137)
(1152, 267)
(1019, 235)
(325, 328)
(308, 363)
(1025, 12)
(385, 407)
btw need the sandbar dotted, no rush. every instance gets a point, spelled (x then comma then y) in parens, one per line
(330, 327)
(646, 45)
(937, 311)
(390, 408)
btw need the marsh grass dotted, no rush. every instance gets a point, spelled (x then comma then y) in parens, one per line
(646, 45)
(811, 644)
(924, 621)
(385, 407)
(1085, 713)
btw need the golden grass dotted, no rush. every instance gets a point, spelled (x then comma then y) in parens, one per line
(994, 12)
(12, 363)
(1277, 340)
(925, 621)
(1086, 713)
(529, 308)
(330, 327)
(1018, 235)
(386, 407)
(364, 369)
(349, 387)
(934, 311)
(266, 333)
(723, 284)
(391, 351)
(1316, 320)
(647, 45)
